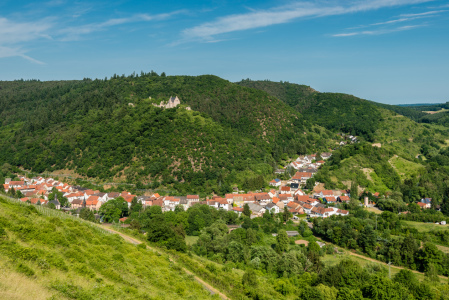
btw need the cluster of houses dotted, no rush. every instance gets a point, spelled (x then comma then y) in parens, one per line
(290, 194)
(306, 166)
(37, 190)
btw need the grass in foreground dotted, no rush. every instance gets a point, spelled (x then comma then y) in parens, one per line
(54, 258)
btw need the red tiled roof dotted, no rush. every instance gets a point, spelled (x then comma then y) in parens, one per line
(92, 200)
(304, 198)
(328, 193)
(158, 202)
(16, 183)
(292, 204)
(344, 198)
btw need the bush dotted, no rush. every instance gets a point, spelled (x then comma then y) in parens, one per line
(24, 269)
(249, 278)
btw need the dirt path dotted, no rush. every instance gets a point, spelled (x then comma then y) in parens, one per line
(134, 241)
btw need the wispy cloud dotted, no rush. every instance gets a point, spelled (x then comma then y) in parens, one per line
(433, 12)
(13, 33)
(17, 52)
(377, 32)
(15, 36)
(279, 15)
(402, 18)
(74, 33)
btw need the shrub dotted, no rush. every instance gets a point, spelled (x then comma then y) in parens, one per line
(24, 269)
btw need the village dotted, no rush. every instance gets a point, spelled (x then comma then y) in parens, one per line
(283, 194)
(289, 195)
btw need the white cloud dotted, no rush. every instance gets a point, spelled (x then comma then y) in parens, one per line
(378, 32)
(284, 14)
(74, 33)
(14, 35)
(433, 12)
(13, 32)
(16, 52)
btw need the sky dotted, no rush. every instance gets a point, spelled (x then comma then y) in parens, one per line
(389, 51)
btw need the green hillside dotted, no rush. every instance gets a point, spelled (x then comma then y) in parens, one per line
(334, 111)
(49, 257)
(402, 155)
(109, 130)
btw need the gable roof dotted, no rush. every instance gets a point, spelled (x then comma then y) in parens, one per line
(327, 193)
(330, 199)
(344, 198)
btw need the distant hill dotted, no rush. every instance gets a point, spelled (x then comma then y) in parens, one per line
(334, 111)
(110, 130)
(397, 130)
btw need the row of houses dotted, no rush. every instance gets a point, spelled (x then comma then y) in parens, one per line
(37, 189)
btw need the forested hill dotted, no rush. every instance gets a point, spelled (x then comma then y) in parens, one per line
(410, 154)
(335, 111)
(109, 129)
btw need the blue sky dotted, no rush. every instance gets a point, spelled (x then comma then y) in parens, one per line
(390, 51)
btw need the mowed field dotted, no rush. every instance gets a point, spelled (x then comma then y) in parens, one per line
(423, 227)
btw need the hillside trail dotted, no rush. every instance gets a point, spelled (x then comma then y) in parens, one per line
(134, 241)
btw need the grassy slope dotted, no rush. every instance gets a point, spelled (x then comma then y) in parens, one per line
(423, 227)
(64, 258)
(403, 138)
(333, 259)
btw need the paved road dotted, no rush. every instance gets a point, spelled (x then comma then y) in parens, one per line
(134, 241)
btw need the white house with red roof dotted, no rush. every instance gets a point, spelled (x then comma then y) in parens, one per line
(322, 212)
(272, 193)
(326, 193)
(275, 182)
(344, 199)
(285, 190)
